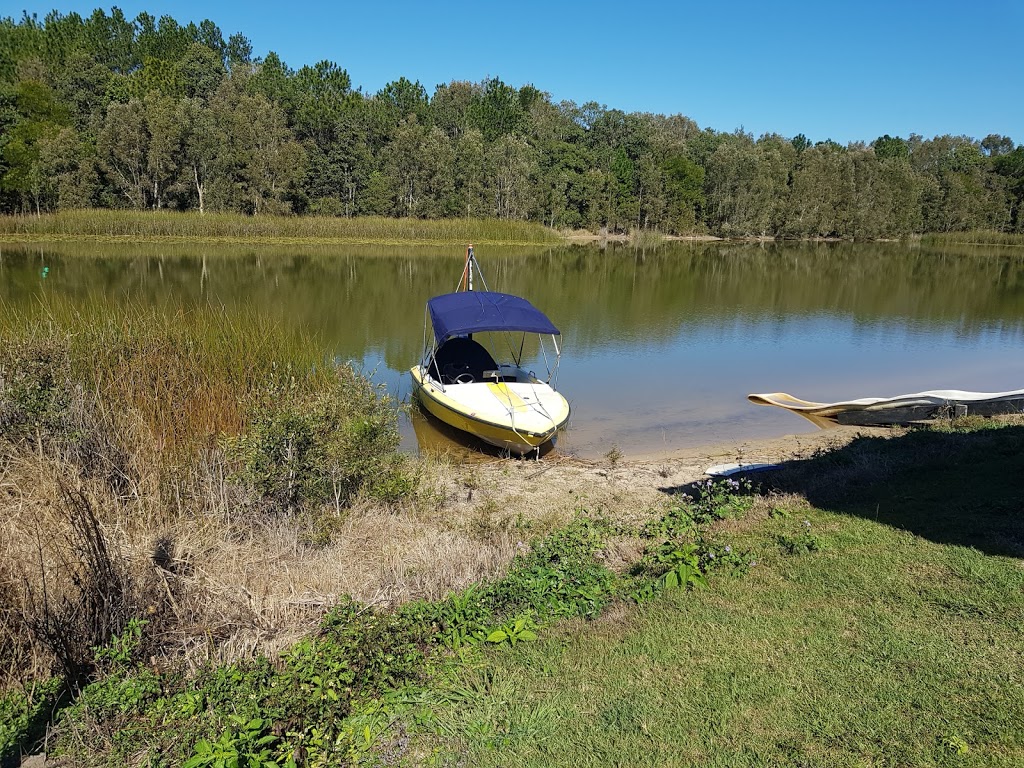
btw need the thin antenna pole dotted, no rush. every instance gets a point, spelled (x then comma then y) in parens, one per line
(464, 277)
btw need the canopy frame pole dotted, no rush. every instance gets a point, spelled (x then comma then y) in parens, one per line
(553, 374)
(429, 352)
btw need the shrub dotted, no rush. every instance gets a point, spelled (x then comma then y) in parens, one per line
(317, 445)
(46, 408)
(95, 601)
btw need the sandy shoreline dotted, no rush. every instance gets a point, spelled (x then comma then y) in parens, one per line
(629, 488)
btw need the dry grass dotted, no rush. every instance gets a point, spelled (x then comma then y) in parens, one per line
(113, 472)
(221, 585)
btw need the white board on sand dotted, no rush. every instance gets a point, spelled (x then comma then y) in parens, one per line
(725, 470)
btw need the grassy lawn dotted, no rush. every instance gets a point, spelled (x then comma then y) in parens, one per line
(887, 629)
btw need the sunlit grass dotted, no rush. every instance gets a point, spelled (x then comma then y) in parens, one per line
(895, 642)
(188, 375)
(167, 226)
(976, 237)
(646, 238)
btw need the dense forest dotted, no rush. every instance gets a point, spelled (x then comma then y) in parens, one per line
(147, 113)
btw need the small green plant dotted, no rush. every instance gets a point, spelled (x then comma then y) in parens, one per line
(559, 576)
(954, 745)
(724, 499)
(121, 692)
(24, 713)
(726, 558)
(121, 650)
(800, 543)
(614, 456)
(683, 566)
(398, 482)
(514, 631)
(245, 744)
(712, 500)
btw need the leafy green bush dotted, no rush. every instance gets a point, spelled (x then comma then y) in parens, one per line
(45, 406)
(713, 500)
(33, 390)
(321, 444)
(559, 576)
(686, 551)
(245, 743)
(683, 567)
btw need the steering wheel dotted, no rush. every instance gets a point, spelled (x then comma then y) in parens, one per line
(464, 378)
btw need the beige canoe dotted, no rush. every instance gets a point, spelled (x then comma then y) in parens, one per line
(903, 409)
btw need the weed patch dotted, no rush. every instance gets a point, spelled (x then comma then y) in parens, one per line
(330, 698)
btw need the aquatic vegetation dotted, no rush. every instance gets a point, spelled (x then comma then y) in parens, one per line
(227, 228)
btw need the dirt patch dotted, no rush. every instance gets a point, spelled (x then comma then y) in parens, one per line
(548, 492)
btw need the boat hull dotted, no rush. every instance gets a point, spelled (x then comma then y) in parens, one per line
(902, 409)
(490, 425)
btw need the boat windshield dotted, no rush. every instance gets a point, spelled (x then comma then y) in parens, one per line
(461, 357)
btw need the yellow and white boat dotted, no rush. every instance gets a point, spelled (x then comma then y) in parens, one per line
(460, 383)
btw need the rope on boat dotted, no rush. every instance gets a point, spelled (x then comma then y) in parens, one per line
(537, 405)
(512, 417)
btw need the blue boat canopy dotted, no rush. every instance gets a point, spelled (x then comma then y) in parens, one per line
(457, 314)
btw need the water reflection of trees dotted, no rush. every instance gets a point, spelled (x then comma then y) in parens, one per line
(361, 298)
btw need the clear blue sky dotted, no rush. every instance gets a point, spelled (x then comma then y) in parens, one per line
(846, 71)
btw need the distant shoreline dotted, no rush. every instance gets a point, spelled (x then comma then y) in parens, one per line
(170, 227)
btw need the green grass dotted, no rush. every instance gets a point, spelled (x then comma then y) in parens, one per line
(168, 226)
(899, 641)
(977, 237)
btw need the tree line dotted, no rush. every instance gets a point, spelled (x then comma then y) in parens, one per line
(103, 111)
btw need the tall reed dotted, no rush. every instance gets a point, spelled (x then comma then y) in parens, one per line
(186, 374)
(159, 425)
(976, 237)
(161, 226)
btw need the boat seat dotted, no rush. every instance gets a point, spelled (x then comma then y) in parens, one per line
(459, 356)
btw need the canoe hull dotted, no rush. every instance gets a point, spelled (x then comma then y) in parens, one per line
(902, 409)
(491, 426)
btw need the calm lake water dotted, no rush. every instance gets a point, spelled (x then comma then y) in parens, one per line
(661, 347)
